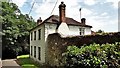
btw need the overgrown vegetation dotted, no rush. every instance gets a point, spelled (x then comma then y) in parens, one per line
(15, 26)
(93, 56)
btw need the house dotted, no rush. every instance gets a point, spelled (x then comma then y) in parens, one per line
(61, 24)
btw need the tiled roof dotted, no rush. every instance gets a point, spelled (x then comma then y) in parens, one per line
(70, 21)
(54, 19)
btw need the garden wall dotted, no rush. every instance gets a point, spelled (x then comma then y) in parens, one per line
(56, 45)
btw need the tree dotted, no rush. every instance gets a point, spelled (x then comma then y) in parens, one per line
(15, 28)
(100, 31)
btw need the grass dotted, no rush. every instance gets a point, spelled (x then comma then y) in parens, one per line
(27, 62)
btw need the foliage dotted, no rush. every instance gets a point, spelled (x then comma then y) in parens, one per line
(15, 26)
(93, 56)
(26, 62)
(100, 31)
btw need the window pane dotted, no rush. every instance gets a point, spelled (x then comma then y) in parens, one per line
(34, 35)
(81, 31)
(31, 50)
(34, 51)
(39, 53)
(39, 34)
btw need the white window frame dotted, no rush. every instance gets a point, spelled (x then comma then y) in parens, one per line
(82, 31)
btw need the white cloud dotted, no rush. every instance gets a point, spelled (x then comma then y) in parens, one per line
(103, 23)
(104, 14)
(46, 8)
(72, 10)
(115, 3)
(89, 2)
(98, 21)
(19, 3)
(107, 26)
(85, 12)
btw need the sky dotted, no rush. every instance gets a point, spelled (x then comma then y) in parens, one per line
(100, 14)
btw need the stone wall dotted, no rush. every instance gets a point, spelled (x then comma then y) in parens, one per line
(56, 44)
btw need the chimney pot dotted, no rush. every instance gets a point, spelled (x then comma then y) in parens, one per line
(83, 20)
(62, 12)
(39, 21)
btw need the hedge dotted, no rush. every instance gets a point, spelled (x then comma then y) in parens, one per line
(93, 56)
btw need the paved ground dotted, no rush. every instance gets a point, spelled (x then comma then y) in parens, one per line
(0, 63)
(10, 63)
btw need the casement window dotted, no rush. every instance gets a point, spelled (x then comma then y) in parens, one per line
(34, 35)
(31, 50)
(82, 31)
(39, 34)
(31, 36)
(34, 51)
(39, 53)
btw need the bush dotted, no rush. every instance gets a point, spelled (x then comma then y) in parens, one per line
(94, 56)
(9, 53)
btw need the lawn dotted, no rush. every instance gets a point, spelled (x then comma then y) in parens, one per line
(26, 62)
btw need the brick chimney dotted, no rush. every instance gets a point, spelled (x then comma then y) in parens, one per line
(63, 28)
(83, 21)
(39, 21)
(62, 12)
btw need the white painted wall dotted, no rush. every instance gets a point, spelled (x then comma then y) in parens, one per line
(87, 31)
(63, 29)
(38, 43)
(74, 30)
(47, 29)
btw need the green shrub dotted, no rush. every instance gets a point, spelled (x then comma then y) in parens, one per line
(94, 56)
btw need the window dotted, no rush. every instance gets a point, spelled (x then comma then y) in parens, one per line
(39, 34)
(34, 51)
(39, 53)
(34, 35)
(31, 50)
(31, 36)
(82, 31)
